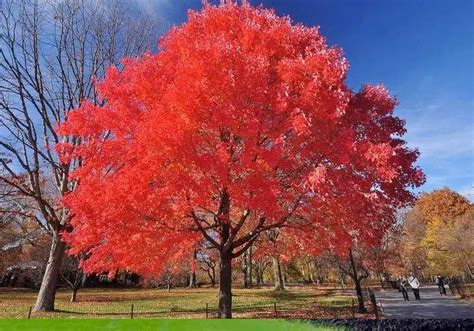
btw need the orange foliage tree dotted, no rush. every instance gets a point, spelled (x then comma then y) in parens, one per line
(437, 221)
(241, 123)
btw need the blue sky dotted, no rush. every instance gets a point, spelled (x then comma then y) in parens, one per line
(423, 51)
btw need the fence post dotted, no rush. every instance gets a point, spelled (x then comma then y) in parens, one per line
(374, 304)
(207, 310)
(275, 309)
(353, 308)
(29, 312)
(131, 313)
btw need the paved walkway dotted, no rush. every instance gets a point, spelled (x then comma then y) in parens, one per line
(432, 305)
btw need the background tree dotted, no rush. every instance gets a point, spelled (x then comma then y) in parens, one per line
(449, 248)
(429, 226)
(22, 236)
(459, 243)
(261, 261)
(415, 255)
(192, 270)
(354, 267)
(50, 54)
(240, 124)
(72, 276)
(385, 258)
(443, 204)
(208, 261)
(272, 236)
(247, 268)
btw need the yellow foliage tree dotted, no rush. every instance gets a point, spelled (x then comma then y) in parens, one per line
(438, 256)
(435, 231)
(459, 242)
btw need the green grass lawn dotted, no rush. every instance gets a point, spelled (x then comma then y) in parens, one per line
(296, 302)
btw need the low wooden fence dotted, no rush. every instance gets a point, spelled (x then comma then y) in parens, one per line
(269, 310)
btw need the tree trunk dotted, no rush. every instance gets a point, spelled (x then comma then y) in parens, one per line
(310, 273)
(192, 273)
(279, 283)
(360, 297)
(192, 279)
(225, 286)
(47, 292)
(79, 282)
(211, 273)
(356, 278)
(248, 268)
(259, 275)
(74, 294)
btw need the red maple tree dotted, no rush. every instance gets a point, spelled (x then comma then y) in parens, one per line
(241, 123)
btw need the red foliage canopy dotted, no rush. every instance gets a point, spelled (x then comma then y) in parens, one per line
(240, 104)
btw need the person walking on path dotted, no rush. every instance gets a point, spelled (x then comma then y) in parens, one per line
(415, 285)
(402, 283)
(440, 283)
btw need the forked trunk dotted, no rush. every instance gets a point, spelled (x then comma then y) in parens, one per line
(74, 294)
(279, 283)
(47, 292)
(225, 286)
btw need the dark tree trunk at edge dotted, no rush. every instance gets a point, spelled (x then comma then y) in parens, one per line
(360, 297)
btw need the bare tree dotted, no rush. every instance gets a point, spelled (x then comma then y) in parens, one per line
(259, 268)
(50, 54)
(208, 262)
(72, 276)
(277, 270)
(247, 268)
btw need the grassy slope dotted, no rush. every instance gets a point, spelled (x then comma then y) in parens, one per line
(297, 302)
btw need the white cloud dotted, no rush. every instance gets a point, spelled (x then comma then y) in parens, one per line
(440, 131)
(152, 5)
(436, 144)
